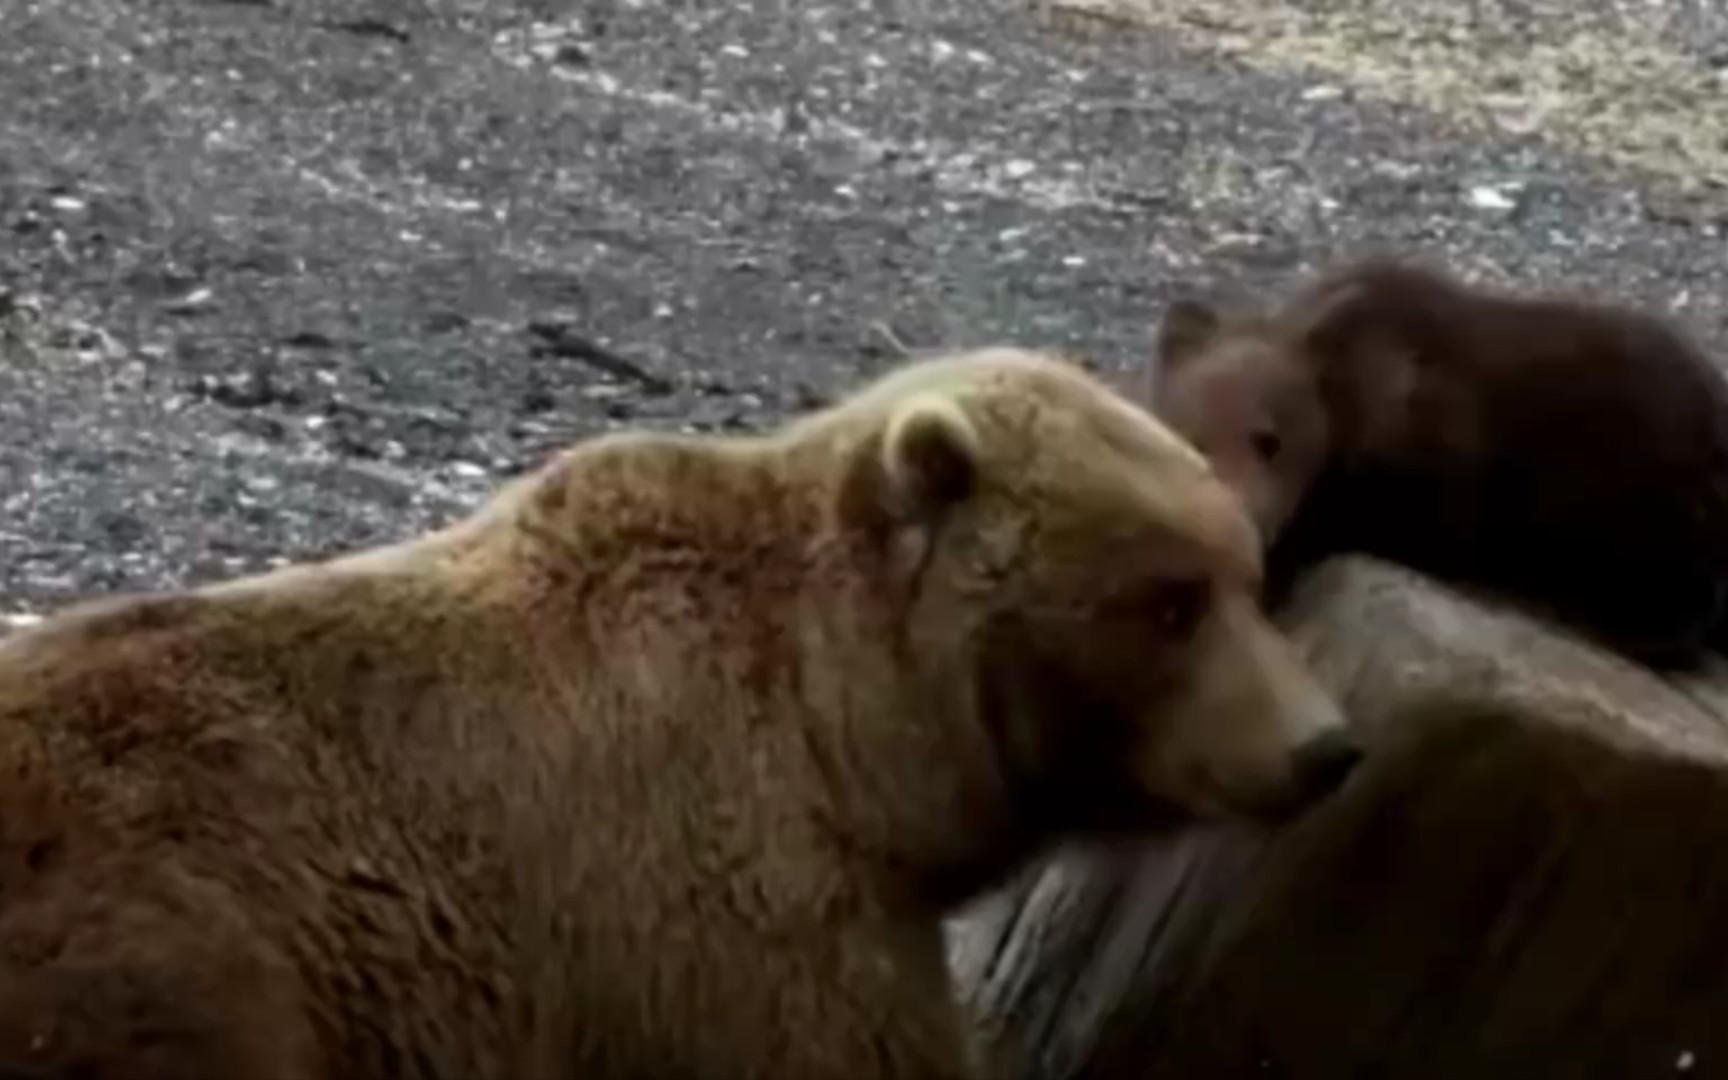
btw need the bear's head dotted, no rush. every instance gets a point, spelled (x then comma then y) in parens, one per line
(1373, 368)
(1239, 387)
(1067, 580)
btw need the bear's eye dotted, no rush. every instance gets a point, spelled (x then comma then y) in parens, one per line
(1267, 444)
(1176, 606)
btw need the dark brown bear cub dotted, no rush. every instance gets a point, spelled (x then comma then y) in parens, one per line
(1569, 452)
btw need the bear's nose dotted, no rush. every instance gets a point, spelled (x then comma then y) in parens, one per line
(1324, 762)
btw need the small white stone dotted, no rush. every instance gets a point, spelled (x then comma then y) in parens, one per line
(1322, 93)
(18, 620)
(1490, 198)
(1074, 260)
(66, 204)
(467, 470)
(551, 31)
(1019, 169)
(737, 52)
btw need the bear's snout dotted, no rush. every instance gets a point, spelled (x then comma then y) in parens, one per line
(1323, 763)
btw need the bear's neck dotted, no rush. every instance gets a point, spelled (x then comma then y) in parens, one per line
(912, 789)
(760, 656)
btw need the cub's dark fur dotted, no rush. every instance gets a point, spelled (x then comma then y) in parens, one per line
(1569, 451)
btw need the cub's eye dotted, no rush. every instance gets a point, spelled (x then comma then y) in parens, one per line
(1267, 444)
(1177, 606)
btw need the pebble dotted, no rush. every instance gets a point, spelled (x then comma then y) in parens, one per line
(1489, 198)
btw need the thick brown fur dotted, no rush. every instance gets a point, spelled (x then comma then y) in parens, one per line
(664, 764)
(1566, 450)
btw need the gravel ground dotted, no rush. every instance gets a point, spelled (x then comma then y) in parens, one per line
(1640, 83)
(284, 278)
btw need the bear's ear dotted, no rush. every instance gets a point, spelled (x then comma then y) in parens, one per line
(930, 457)
(1187, 326)
(922, 461)
(1350, 317)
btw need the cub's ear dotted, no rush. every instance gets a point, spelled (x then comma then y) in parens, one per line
(925, 459)
(930, 456)
(1353, 318)
(1187, 327)
(1325, 319)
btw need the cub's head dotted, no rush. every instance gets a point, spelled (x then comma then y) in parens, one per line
(1069, 582)
(1240, 390)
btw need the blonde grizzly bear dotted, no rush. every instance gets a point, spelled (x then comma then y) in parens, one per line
(664, 764)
